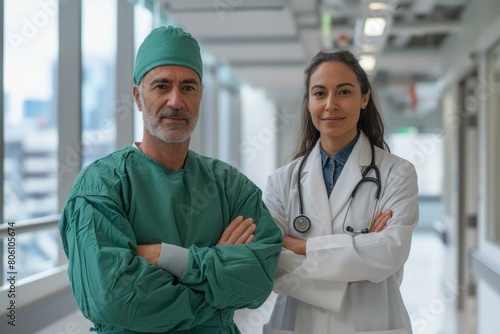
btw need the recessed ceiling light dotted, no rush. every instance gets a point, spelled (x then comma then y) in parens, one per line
(377, 5)
(367, 62)
(374, 26)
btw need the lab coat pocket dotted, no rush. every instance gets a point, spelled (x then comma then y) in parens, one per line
(392, 331)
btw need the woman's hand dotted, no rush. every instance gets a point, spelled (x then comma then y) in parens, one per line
(298, 246)
(380, 221)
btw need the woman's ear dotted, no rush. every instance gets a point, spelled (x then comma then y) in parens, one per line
(365, 100)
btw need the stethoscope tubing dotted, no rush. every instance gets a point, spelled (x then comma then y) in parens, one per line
(302, 223)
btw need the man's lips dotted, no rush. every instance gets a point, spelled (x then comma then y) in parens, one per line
(173, 119)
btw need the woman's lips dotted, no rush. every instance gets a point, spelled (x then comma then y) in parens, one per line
(332, 119)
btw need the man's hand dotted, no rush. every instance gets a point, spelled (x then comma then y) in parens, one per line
(240, 231)
(298, 246)
(150, 252)
(380, 221)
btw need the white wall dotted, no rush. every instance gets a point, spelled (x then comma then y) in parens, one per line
(260, 125)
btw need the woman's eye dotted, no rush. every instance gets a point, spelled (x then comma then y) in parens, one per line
(318, 93)
(345, 92)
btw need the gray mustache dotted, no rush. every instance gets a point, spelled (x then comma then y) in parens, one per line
(178, 113)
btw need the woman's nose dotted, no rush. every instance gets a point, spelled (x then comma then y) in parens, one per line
(331, 103)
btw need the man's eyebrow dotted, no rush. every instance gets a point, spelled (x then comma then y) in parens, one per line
(169, 81)
(190, 81)
(160, 81)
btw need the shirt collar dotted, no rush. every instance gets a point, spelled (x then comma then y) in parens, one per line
(342, 155)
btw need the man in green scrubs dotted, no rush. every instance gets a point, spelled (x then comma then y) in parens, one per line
(159, 238)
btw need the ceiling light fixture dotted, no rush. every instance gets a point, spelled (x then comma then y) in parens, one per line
(367, 62)
(374, 26)
(377, 5)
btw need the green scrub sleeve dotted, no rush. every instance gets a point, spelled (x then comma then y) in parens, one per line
(114, 286)
(238, 276)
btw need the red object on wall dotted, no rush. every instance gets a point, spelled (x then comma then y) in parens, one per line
(413, 97)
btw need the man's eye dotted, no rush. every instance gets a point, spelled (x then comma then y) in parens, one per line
(161, 87)
(189, 88)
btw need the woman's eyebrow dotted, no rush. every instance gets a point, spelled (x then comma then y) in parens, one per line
(338, 86)
(345, 84)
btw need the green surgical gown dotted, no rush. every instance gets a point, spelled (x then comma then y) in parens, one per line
(128, 199)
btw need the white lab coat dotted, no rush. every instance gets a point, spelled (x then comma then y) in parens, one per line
(345, 284)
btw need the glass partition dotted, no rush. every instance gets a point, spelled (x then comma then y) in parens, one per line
(493, 146)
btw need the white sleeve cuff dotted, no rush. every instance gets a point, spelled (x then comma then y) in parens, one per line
(173, 259)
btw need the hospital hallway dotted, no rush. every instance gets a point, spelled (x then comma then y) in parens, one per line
(67, 69)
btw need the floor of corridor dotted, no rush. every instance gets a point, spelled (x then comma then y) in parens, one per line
(422, 291)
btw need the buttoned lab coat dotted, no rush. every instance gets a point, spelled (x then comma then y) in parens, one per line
(344, 284)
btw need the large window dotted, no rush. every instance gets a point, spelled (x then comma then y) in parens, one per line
(98, 88)
(145, 17)
(30, 125)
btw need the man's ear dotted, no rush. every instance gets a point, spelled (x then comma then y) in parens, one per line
(137, 97)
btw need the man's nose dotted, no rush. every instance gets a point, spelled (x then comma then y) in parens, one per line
(175, 98)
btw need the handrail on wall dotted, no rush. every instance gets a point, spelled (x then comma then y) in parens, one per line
(30, 225)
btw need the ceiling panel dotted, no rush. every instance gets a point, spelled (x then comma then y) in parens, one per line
(271, 77)
(238, 24)
(228, 5)
(268, 43)
(259, 53)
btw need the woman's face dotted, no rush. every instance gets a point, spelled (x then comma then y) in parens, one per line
(335, 103)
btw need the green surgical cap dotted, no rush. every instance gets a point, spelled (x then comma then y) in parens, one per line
(167, 46)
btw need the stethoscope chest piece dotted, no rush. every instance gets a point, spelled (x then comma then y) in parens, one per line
(301, 224)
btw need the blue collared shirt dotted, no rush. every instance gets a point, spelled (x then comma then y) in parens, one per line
(333, 165)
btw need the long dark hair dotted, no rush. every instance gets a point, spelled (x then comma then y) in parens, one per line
(370, 120)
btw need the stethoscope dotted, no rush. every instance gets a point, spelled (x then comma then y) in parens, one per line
(302, 223)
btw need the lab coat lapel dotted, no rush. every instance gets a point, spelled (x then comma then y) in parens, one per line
(351, 174)
(314, 189)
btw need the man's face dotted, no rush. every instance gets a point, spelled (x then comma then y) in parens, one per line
(170, 102)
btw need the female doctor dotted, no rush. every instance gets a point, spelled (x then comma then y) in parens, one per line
(347, 209)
